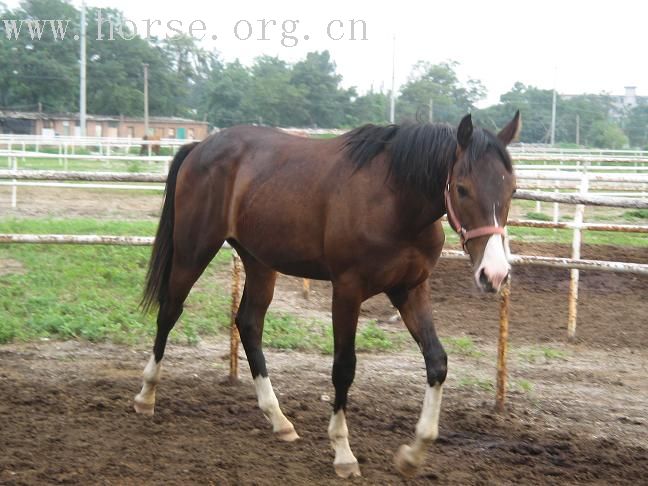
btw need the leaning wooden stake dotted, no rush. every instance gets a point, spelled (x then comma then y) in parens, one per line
(306, 288)
(234, 335)
(502, 347)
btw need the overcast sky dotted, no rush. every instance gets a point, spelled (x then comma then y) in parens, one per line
(580, 46)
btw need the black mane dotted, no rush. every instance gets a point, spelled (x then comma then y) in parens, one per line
(420, 155)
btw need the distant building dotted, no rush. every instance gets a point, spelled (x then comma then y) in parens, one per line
(67, 124)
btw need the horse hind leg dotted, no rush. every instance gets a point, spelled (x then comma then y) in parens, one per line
(184, 274)
(257, 295)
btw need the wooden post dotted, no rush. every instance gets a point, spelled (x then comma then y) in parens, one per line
(306, 288)
(576, 251)
(502, 347)
(234, 335)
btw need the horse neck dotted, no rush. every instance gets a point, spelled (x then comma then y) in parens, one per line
(419, 211)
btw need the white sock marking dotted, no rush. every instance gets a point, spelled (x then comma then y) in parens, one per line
(339, 434)
(427, 428)
(151, 379)
(269, 404)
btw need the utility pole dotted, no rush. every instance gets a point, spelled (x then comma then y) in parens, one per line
(146, 107)
(431, 112)
(577, 129)
(392, 107)
(553, 119)
(82, 74)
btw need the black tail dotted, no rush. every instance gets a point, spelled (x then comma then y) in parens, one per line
(157, 276)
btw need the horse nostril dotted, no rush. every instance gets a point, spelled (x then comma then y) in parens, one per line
(483, 279)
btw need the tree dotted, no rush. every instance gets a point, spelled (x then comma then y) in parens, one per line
(439, 83)
(369, 108)
(606, 134)
(326, 101)
(636, 126)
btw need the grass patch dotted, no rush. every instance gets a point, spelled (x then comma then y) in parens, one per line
(543, 354)
(92, 292)
(636, 214)
(538, 216)
(474, 382)
(285, 331)
(462, 345)
(524, 386)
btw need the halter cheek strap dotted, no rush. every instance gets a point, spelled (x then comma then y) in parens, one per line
(464, 234)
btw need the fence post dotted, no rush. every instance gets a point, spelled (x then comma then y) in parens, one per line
(14, 188)
(502, 341)
(576, 252)
(234, 335)
(65, 156)
(10, 146)
(556, 208)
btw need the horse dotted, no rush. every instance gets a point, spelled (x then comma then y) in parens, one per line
(155, 147)
(362, 211)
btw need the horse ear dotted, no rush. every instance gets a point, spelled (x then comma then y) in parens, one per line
(465, 131)
(511, 131)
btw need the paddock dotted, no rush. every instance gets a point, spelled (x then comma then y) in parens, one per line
(575, 410)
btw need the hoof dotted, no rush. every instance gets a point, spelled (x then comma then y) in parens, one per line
(287, 435)
(144, 408)
(346, 471)
(404, 462)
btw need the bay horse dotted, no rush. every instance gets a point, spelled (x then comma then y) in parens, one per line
(362, 211)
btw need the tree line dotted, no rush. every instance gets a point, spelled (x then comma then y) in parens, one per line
(187, 80)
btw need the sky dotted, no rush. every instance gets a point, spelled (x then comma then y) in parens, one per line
(575, 46)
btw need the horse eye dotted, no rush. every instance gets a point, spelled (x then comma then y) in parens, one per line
(462, 191)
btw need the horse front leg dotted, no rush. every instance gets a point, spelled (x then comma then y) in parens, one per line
(415, 308)
(346, 309)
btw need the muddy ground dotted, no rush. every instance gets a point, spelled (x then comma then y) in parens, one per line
(577, 412)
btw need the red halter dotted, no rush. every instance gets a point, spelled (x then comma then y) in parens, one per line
(464, 234)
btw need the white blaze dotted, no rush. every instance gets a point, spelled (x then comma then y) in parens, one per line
(494, 263)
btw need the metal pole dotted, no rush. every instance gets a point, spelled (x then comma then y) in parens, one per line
(82, 74)
(553, 118)
(431, 112)
(392, 106)
(146, 107)
(234, 335)
(576, 252)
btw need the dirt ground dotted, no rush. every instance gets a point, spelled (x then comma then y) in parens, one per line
(577, 412)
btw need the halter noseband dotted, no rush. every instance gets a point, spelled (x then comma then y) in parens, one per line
(464, 234)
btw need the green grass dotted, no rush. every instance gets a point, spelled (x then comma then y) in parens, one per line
(541, 354)
(34, 163)
(485, 384)
(524, 386)
(92, 293)
(636, 214)
(462, 345)
(285, 331)
(538, 216)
